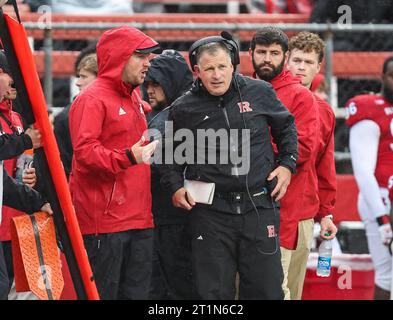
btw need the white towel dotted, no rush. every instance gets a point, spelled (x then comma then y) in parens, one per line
(201, 192)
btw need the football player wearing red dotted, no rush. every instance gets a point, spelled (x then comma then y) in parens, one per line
(370, 117)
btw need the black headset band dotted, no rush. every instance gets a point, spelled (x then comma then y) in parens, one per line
(229, 43)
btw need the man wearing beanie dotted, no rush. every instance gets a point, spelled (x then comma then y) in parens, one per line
(167, 79)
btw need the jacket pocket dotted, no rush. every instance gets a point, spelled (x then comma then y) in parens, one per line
(266, 168)
(111, 197)
(268, 224)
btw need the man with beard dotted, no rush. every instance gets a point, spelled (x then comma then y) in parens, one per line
(167, 79)
(370, 118)
(269, 52)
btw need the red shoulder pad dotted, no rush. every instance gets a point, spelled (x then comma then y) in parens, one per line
(360, 108)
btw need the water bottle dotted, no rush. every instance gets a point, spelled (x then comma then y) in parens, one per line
(324, 258)
(24, 161)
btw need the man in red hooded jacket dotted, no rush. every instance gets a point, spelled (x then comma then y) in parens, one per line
(269, 52)
(110, 179)
(305, 59)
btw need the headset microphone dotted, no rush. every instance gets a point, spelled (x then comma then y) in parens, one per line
(226, 35)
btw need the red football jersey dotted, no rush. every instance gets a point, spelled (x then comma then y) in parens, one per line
(375, 108)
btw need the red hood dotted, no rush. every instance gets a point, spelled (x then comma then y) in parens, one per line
(4, 106)
(13, 117)
(115, 48)
(283, 79)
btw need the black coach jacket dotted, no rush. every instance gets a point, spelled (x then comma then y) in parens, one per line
(19, 196)
(249, 104)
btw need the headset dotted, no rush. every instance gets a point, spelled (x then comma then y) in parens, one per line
(226, 38)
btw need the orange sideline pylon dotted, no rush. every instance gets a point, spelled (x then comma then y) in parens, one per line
(36, 257)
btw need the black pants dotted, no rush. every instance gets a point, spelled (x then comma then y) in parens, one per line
(121, 263)
(4, 281)
(9, 263)
(225, 243)
(172, 278)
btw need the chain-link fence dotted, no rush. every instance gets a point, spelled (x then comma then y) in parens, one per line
(352, 66)
(349, 86)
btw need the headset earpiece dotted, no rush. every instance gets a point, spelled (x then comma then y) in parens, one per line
(233, 47)
(225, 38)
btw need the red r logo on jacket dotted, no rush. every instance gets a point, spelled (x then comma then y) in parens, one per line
(270, 231)
(244, 106)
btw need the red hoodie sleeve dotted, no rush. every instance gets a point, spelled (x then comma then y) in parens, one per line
(86, 120)
(304, 109)
(326, 172)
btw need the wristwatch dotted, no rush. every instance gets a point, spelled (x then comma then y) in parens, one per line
(385, 219)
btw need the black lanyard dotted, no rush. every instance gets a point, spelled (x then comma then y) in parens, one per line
(9, 124)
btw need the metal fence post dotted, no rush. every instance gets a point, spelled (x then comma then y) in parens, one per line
(48, 77)
(329, 61)
(233, 7)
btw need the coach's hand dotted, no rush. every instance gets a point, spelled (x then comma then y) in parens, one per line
(35, 136)
(29, 177)
(141, 152)
(283, 175)
(47, 208)
(182, 199)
